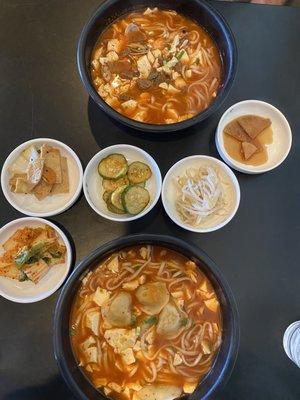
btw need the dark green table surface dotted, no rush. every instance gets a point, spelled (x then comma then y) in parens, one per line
(41, 96)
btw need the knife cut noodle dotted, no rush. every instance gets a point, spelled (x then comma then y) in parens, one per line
(201, 194)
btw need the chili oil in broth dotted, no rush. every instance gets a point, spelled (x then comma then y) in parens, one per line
(156, 66)
(170, 316)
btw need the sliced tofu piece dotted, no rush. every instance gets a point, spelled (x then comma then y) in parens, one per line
(189, 387)
(156, 53)
(172, 62)
(115, 387)
(93, 320)
(177, 360)
(212, 304)
(87, 343)
(128, 356)
(112, 56)
(180, 83)
(144, 252)
(101, 296)
(144, 66)
(163, 85)
(130, 104)
(173, 90)
(206, 348)
(132, 285)
(174, 44)
(114, 45)
(91, 355)
(151, 57)
(126, 393)
(134, 386)
(121, 339)
(113, 264)
(158, 392)
(99, 382)
(137, 346)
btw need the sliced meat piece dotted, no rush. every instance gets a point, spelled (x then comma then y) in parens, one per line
(159, 77)
(144, 84)
(248, 149)
(125, 52)
(134, 34)
(235, 130)
(138, 48)
(123, 68)
(253, 124)
(128, 74)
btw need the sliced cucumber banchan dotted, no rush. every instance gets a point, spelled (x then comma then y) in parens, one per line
(138, 172)
(113, 166)
(135, 198)
(116, 197)
(124, 187)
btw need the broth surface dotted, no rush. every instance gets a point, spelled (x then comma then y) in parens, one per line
(156, 66)
(145, 321)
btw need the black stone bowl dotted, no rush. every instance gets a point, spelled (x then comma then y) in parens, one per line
(224, 362)
(198, 10)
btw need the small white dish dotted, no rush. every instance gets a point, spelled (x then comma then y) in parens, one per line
(27, 291)
(282, 135)
(170, 191)
(52, 205)
(92, 182)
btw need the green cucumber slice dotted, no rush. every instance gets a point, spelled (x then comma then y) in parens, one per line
(116, 197)
(138, 172)
(113, 166)
(110, 185)
(134, 199)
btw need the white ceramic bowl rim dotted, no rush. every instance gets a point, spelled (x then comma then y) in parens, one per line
(15, 153)
(243, 167)
(115, 148)
(228, 172)
(68, 260)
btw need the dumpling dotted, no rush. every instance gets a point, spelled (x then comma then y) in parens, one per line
(158, 392)
(169, 321)
(152, 297)
(118, 312)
